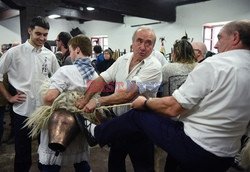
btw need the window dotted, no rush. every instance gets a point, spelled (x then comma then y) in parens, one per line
(100, 40)
(210, 32)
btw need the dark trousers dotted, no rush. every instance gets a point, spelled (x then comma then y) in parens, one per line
(2, 111)
(165, 133)
(22, 161)
(140, 150)
(79, 167)
(11, 113)
(12, 92)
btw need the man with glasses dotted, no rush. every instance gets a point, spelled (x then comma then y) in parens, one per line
(62, 45)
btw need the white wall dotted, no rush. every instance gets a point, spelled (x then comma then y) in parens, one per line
(190, 19)
(10, 30)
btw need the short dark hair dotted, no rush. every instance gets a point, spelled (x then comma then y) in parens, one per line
(39, 21)
(97, 49)
(64, 37)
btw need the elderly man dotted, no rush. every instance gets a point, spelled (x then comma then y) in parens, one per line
(136, 73)
(200, 50)
(4, 48)
(213, 113)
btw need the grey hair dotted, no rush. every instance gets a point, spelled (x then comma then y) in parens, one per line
(241, 26)
(143, 28)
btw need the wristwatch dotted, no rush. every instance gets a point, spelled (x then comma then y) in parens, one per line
(98, 104)
(145, 103)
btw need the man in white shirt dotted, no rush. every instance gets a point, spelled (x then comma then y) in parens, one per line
(214, 111)
(136, 73)
(27, 66)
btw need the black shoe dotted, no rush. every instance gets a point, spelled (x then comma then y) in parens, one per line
(85, 126)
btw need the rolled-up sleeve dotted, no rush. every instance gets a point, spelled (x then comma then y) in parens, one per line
(57, 82)
(196, 87)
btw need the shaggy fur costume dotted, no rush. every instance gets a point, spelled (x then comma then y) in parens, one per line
(245, 156)
(66, 100)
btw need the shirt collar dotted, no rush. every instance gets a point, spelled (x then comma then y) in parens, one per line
(32, 48)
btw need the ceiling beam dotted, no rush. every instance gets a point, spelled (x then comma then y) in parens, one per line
(18, 4)
(185, 2)
(9, 13)
(88, 15)
(11, 4)
(163, 10)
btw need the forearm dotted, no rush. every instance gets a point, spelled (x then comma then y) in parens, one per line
(166, 106)
(119, 97)
(95, 87)
(50, 96)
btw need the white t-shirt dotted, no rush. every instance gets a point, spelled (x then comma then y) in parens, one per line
(27, 68)
(146, 74)
(217, 94)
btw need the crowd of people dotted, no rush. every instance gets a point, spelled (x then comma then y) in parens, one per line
(193, 107)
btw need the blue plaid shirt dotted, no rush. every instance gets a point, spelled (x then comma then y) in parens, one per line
(85, 68)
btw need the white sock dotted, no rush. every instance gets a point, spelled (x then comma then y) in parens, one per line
(92, 128)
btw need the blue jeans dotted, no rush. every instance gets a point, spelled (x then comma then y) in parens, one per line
(79, 167)
(165, 133)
